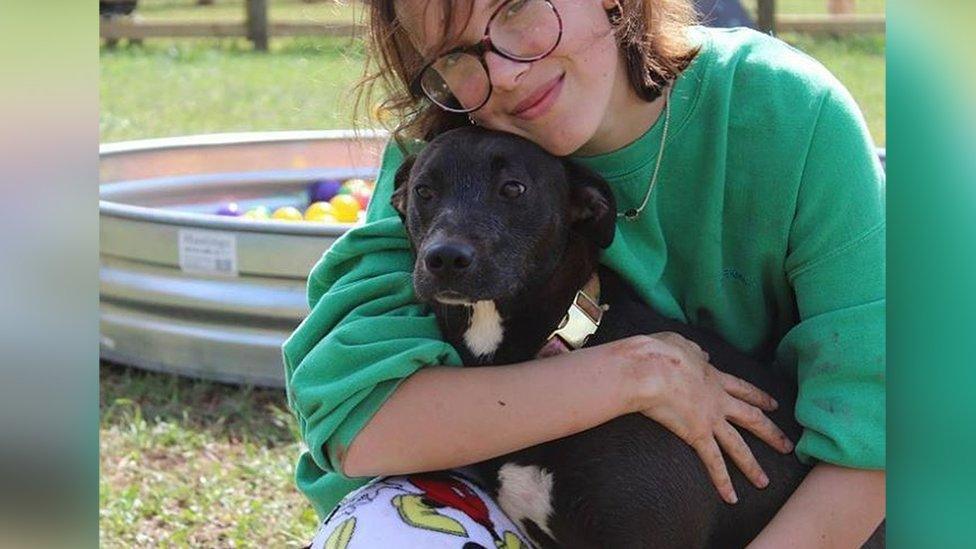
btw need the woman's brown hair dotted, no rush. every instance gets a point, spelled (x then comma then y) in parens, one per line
(651, 33)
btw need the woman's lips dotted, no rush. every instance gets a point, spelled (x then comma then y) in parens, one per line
(540, 101)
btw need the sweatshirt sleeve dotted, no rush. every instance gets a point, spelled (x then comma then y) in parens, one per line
(836, 266)
(365, 333)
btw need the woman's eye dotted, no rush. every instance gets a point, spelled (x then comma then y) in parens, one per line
(512, 189)
(452, 59)
(424, 192)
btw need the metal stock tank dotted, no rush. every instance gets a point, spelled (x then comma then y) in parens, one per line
(185, 291)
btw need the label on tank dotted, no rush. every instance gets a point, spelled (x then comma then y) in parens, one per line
(208, 252)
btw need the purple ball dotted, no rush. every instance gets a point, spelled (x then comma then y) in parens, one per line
(323, 190)
(230, 209)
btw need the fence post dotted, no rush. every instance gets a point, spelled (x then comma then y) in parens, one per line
(767, 16)
(257, 23)
(840, 6)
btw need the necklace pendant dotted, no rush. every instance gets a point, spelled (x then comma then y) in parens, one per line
(631, 214)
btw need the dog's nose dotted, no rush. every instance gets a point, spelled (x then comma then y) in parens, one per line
(449, 258)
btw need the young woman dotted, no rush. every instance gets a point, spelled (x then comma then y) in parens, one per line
(754, 206)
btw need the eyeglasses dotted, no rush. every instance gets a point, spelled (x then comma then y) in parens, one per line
(519, 30)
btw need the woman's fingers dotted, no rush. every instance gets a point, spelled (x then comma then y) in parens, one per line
(760, 425)
(731, 441)
(743, 390)
(711, 456)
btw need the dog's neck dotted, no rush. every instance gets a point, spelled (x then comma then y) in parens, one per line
(510, 331)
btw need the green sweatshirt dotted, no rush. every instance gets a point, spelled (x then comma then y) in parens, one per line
(766, 225)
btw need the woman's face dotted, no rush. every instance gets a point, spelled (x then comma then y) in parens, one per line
(562, 102)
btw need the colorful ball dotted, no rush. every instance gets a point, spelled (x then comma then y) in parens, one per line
(318, 211)
(287, 213)
(323, 190)
(345, 208)
(353, 184)
(230, 209)
(261, 212)
(362, 194)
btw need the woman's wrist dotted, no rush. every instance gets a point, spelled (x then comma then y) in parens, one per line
(640, 386)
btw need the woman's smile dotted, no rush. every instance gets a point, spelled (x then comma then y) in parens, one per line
(540, 101)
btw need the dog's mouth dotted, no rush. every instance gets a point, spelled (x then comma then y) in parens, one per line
(450, 297)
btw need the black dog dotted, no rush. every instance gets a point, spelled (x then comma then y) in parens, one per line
(505, 235)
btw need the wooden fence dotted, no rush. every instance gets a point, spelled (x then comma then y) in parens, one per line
(840, 19)
(258, 29)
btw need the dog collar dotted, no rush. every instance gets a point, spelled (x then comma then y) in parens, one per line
(580, 321)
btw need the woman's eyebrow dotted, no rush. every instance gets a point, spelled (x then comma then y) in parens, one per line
(446, 47)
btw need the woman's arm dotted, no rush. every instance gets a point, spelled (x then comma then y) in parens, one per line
(438, 418)
(443, 417)
(833, 507)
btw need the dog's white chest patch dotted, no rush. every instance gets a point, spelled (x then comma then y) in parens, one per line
(484, 332)
(525, 492)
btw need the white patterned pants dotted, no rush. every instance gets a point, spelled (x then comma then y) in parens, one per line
(426, 510)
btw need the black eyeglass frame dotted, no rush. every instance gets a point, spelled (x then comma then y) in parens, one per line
(479, 50)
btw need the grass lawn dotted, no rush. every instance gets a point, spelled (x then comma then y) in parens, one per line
(195, 464)
(199, 464)
(167, 88)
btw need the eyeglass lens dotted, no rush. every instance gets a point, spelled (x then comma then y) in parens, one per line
(523, 30)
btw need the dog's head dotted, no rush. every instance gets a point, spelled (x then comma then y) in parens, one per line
(490, 214)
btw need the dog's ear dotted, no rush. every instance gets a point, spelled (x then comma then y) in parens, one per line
(399, 197)
(592, 208)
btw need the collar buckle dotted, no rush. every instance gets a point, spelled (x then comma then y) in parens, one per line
(582, 319)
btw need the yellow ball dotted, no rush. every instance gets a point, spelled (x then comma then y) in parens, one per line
(261, 212)
(287, 213)
(318, 210)
(345, 208)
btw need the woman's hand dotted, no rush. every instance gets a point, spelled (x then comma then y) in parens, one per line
(677, 387)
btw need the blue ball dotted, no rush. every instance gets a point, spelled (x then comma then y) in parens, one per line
(230, 209)
(323, 190)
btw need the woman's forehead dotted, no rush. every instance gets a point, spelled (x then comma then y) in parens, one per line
(426, 22)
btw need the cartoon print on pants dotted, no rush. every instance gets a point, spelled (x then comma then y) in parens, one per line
(340, 537)
(420, 510)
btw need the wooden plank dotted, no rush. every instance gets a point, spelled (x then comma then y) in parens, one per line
(300, 28)
(117, 28)
(831, 24)
(257, 23)
(766, 16)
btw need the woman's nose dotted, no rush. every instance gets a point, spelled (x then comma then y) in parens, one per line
(505, 74)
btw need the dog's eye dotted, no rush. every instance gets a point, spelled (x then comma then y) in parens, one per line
(423, 192)
(512, 189)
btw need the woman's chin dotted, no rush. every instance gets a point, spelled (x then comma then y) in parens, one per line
(561, 146)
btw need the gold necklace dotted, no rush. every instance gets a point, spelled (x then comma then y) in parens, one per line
(632, 214)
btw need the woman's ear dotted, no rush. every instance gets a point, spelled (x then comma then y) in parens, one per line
(400, 187)
(592, 208)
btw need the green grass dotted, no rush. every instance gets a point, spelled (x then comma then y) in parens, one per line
(167, 87)
(170, 88)
(197, 464)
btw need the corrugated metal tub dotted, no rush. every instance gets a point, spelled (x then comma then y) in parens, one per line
(188, 292)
